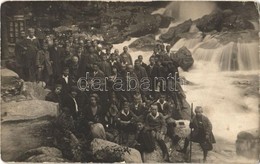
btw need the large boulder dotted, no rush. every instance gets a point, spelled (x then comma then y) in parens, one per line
(171, 36)
(26, 110)
(165, 20)
(210, 22)
(19, 136)
(42, 154)
(184, 58)
(144, 43)
(143, 24)
(236, 22)
(102, 148)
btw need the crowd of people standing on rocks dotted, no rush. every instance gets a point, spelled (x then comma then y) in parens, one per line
(135, 118)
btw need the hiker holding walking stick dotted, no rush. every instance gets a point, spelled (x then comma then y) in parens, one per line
(201, 133)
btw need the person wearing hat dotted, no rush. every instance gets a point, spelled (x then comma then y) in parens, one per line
(44, 66)
(201, 133)
(32, 46)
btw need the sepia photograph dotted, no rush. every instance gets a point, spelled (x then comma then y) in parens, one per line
(130, 81)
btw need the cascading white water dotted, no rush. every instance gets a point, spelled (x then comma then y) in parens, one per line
(232, 56)
(227, 106)
(188, 10)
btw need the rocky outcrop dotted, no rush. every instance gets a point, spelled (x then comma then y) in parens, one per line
(43, 154)
(19, 136)
(210, 22)
(26, 110)
(143, 24)
(145, 43)
(184, 58)
(225, 20)
(102, 148)
(171, 36)
(236, 22)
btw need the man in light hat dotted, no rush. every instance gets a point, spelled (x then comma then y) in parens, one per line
(201, 133)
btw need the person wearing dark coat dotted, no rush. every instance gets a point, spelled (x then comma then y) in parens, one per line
(55, 95)
(201, 132)
(32, 46)
(105, 66)
(56, 54)
(65, 80)
(140, 58)
(43, 64)
(71, 101)
(94, 118)
(125, 56)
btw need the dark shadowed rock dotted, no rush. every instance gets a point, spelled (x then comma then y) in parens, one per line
(210, 22)
(171, 35)
(184, 58)
(143, 24)
(236, 22)
(144, 43)
(165, 20)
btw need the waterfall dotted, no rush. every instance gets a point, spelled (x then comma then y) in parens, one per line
(230, 57)
(189, 10)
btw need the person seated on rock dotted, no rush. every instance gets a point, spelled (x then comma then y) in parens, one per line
(126, 123)
(110, 118)
(165, 109)
(201, 133)
(145, 142)
(93, 118)
(138, 108)
(156, 122)
(55, 94)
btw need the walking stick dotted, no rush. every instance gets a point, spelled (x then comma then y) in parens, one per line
(191, 116)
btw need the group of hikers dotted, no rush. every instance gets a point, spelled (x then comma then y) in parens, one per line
(136, 117)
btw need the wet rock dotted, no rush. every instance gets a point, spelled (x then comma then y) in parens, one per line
(145, 43)
(171, 36)
(98, 145)
(210, 22)
(184, 58)
(26, 110)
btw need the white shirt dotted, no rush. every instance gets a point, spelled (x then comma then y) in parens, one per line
(66, 78)
(76, 105)
(161, 104)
